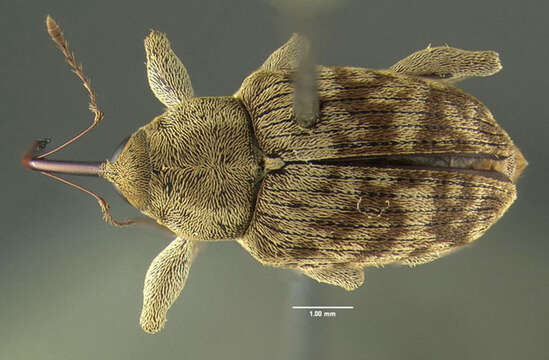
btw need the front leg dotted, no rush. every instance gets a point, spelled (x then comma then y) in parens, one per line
(164, 281)
(168, 78)
(448, 64)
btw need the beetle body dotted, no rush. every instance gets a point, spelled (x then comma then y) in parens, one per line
(399, 166)
(329, 201)
(347, 195)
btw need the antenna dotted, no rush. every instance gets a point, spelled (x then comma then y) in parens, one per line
(39, 162)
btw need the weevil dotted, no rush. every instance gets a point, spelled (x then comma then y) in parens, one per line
(394, 166)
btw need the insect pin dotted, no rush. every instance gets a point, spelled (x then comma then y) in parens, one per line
(371, 167)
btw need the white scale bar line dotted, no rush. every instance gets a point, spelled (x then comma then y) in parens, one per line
(323, 307)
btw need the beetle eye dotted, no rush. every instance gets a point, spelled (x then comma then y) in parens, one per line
(119, 149)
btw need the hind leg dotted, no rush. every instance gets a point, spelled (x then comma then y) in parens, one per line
(448, 64)
(345, 275)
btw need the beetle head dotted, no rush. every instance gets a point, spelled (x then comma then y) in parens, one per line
(130, 171)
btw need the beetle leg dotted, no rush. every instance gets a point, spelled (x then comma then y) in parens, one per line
(296, 55)
(448, 64)
(287, 57)
(164, 281)
(167, 76)
(345, 275)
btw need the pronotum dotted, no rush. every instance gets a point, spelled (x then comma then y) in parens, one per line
(372, 167)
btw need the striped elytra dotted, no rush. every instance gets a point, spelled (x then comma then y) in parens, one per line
(350, 192)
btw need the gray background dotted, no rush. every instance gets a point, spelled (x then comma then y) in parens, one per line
(70, 285)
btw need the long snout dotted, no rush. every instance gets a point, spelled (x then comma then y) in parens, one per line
(37, 163)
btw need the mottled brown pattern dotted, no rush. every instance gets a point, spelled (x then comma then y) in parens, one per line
(311, 214)
(325, 218)
(366, 112)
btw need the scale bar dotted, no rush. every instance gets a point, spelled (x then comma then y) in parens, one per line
(324, 307)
